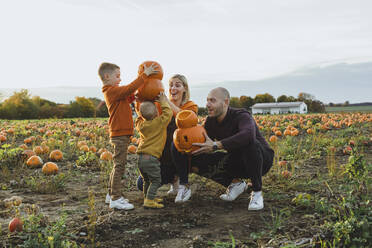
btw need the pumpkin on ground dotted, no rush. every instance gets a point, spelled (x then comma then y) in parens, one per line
(50, 168)
(106, 155)
(132, 149)
(15, 224)
(84, 148)
(38, 150)
(27, 154)
(273, 139)
(34, 161)
(56, 155)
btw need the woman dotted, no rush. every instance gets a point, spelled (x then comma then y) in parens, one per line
(179, 99)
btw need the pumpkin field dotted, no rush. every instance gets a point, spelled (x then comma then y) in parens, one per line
(54, 176)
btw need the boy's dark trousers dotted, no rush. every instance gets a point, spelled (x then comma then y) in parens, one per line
(252, 161)
(149, 167)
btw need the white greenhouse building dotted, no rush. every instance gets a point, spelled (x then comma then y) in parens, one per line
(279, 108)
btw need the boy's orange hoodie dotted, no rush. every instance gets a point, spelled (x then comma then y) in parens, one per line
(116, 98)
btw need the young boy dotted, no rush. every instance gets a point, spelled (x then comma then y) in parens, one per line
(153, 133)
(120, 124)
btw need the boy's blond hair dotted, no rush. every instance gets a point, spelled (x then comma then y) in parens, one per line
(148, 110)
(106, 68)
(186, 95)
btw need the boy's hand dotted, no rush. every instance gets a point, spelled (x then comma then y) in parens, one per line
(162, 97)
(150, 70)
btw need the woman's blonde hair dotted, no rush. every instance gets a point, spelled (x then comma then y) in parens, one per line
(186, 94)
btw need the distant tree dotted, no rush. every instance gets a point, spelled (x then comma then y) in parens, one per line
(100, 107)
(262, 98)
(302, 96)
(81, 107)
(235, 102)
(291, 99)
(19, 106)
(346, 103)
(315, 106)
(246, 102)
(331, 104)
(282, 98)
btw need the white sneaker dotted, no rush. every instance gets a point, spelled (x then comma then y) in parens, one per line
(108, 198)
(184, 194)
(174, 188)
(233, 191)
(256, 202)
(121, 203)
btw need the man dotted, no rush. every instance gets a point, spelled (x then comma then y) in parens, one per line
(247, 154)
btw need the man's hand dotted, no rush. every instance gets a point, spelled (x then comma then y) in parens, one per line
(150, 70)
(206, 147)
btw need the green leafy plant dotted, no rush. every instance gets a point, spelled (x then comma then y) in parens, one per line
(88, 159)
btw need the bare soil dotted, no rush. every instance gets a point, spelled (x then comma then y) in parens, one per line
(204, 221)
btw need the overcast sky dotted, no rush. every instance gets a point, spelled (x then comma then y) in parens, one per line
(62, 42)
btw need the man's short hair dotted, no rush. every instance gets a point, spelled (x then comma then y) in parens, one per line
(106, 68)
(148, 110)
(224, 93)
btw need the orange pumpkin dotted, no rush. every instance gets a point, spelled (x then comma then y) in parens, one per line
(101, 150)
(50, 168)
(134, 140)
(92, 149)
(56, 155)
(186, 119)
(158, 75)
(38, 150)
(34, 161)
(106, 155)
(81, 143)
(28, 153)
(286, 174)
(2, 138)
(183, 138)
(278, 133)
(132, 149)
(15, 224)
(84, 148)
(45, 149)
(287, 132)
(23, 146)
(150, 90)
(309, 131)
(273, 139)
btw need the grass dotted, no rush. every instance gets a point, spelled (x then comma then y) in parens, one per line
(349, 109)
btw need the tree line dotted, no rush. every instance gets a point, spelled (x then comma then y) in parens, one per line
(22, 106)
(313, 105)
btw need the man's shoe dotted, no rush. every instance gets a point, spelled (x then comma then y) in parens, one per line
(183, 195)
(233, 191)
(174, 188)
(152, 204)
(121, 203)
(256, 202)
